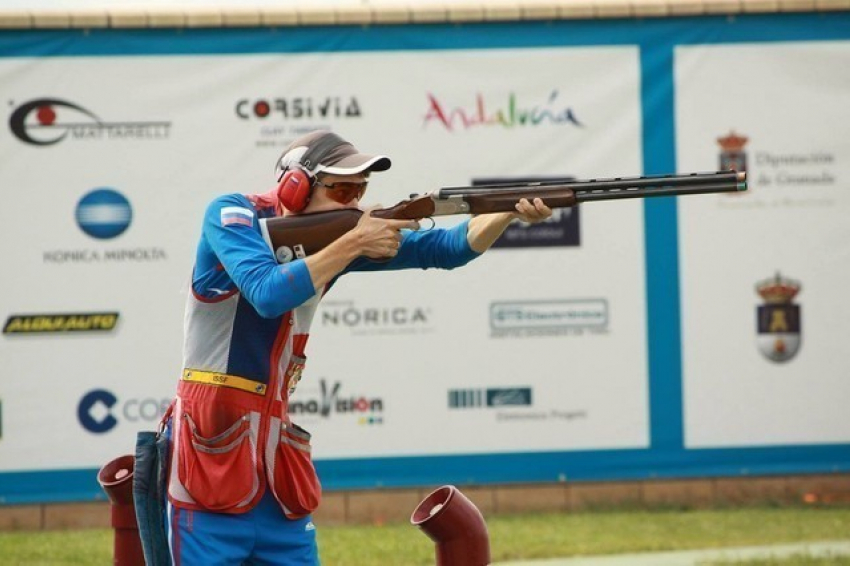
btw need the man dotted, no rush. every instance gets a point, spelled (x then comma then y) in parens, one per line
(241, 481)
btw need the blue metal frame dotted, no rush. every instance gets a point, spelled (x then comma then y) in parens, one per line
(656, 39)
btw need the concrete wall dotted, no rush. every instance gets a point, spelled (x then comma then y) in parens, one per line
(396, 505)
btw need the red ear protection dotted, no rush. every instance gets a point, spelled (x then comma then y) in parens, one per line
(294, 189)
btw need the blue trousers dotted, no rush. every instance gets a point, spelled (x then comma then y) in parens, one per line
(259, 537)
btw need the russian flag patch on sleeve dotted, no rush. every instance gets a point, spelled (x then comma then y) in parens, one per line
(237, 215)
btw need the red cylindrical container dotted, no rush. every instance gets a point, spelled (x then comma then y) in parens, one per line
(116, 479)
(457, 527)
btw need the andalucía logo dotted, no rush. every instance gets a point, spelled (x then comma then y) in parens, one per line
(512, 113)
(56, 323)
(48, 121)
(778, 320)
(732, 155)
(104, 213)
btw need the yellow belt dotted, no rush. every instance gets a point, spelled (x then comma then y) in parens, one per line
(224, 380)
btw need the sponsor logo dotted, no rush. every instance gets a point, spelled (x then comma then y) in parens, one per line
(769, 172)
(104, 213)
(552, 317)
(510, 113)
(778, 320)
(330, 402)
(57, 323)
(299, 108)
(492, 397)
(732, 154)
(283, 119)
(98, 408)
(48, 121)
(561, 229)
(508, 404)
(376, 320)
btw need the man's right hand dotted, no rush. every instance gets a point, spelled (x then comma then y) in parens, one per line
(377, 238)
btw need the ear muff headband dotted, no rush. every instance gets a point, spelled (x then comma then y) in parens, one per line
(298, 179)
(314, 156)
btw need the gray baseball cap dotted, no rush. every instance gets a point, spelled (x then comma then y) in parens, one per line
(323, 151)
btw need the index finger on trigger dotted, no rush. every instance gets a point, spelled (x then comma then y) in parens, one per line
(405, 224)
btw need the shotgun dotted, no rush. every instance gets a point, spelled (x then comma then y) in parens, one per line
(300, 235)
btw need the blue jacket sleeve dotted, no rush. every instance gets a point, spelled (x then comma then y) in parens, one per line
(439, 248)
(233, 255)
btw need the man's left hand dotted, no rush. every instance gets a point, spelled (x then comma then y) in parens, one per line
(532, 211)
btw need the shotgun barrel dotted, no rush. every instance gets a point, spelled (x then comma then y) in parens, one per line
(620, 187)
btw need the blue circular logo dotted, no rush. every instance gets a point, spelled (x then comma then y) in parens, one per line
(104, 214)
(94, 412)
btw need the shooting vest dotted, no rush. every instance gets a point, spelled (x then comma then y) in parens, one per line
(231, 433)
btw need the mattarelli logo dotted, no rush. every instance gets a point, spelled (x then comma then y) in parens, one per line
(512, 112)
(48, 121)
(60, 323)
(548, 317)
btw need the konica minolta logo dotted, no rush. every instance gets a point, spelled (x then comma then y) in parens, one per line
(564, 316)
(103, 213)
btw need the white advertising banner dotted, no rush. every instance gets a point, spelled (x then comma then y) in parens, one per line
(763, 273)
(538, 345)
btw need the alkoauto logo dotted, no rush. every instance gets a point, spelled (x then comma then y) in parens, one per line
(98, 408)
(104, 213)
(57, 323)
(48, 121)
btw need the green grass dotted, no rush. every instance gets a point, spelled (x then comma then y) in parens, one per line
(793, 560)
(512, 537)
